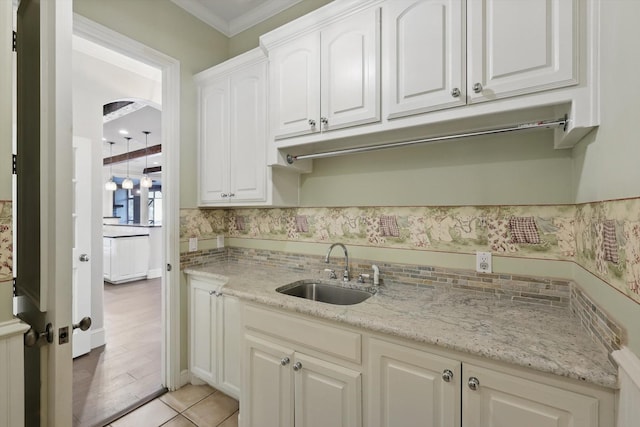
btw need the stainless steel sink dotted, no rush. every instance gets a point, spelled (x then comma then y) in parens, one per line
(322, 292)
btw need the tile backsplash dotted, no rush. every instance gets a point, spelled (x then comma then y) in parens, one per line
(603, 237)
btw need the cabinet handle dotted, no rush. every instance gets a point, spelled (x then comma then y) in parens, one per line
(297, 366)
(232, 194)
(473, 383)
(285, 361)
(312, 123)
(447, 375)
(477, 88)
(455, 92)
(324, 121)
(223, 195)
(216, 293)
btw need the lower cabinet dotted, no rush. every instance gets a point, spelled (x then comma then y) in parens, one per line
(287, 388)
(214, 335)
(492, 398)
(411, 388)
(125, 258)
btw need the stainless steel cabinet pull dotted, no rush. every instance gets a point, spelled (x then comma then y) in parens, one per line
(455, 92)
(324, 120)
(312, 123)
(447, 375)
(223, 195)
(297, 366)
(285, 361)
(473, 383)
(477, 88)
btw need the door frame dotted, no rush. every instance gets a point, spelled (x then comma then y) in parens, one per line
(170, 67)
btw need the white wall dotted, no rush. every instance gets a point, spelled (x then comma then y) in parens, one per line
(95, 83)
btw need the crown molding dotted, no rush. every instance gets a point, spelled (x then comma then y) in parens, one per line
(204, 14)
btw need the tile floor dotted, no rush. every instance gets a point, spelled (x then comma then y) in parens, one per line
(190, 406)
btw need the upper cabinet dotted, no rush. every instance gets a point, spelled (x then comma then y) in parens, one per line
(519, 47)
(328, 79)
(232, 137)
(431, 67)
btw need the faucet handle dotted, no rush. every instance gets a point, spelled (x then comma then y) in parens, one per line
(362, 277)
(332, 273)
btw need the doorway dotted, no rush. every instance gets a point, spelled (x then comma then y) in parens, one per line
(166, 286)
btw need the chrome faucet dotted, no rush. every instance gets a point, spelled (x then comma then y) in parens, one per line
(345, 275)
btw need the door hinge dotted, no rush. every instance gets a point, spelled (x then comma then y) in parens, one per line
(14, 164)
(15, 291)
(14, 45)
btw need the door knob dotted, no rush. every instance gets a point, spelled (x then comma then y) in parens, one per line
(84, 258)
(31, 337)
(83, 324)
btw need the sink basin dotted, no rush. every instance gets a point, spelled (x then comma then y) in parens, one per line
(322, 292)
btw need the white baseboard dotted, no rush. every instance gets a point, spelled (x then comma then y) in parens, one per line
(155, 273)
(629, 381)
(185, 377)
(98, 337)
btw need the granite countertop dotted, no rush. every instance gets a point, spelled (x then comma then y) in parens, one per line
(546, 339)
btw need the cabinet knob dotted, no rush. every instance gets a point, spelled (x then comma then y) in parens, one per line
(232, 194)
(477, 88)
(285, 361)
(324, 120)
(297, 366)
(223, 195)
(312, 123)
(473, 383)
(455, 92)
(84, 258)
(447, 375)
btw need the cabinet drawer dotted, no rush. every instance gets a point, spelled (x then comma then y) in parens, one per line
(330, 340)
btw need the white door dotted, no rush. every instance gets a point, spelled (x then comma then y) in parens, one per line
(44, 205)
(426, 55)
(350, 71)
(499, 399)
(248, 133)
(267, 385)
(326, 395)
(214, 135)
(81, 256)
(294, 73)
(412, 388)
(517, 47)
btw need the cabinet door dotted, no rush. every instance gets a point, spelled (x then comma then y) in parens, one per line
(350, 71)
(425, 55)
(408, 388)
(517, 47)
(326, 395)
(294, 72)
(229, 336)
(506, 400)
(248, 134)
(268, 384)
(203, 320)
(214, 141)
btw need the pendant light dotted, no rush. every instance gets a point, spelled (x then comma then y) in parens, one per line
(127, 183)
(146, 181)
(110, 185)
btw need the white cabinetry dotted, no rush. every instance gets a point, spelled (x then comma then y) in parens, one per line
(512, 48)
(520, 47)
(407, 385)
(126, 258)
(424, 55)
(214, 335)
(232, 112)
(327, 79)
(492, 398)
(291, 377)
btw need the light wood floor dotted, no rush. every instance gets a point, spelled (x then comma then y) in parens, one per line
(126, 371)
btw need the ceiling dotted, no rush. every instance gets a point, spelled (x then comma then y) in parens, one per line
(231, 17)
(146, 118)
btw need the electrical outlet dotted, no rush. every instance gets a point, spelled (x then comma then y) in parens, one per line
(193, 244)
(220, 240)
(483, 262)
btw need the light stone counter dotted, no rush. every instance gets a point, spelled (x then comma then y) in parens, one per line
(543, 338)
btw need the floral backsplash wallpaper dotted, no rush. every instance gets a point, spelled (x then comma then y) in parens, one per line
(6, 241)
(603, 237)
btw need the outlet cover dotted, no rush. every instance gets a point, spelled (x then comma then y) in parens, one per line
(193, 244)
(220, 239)
(483, 262)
